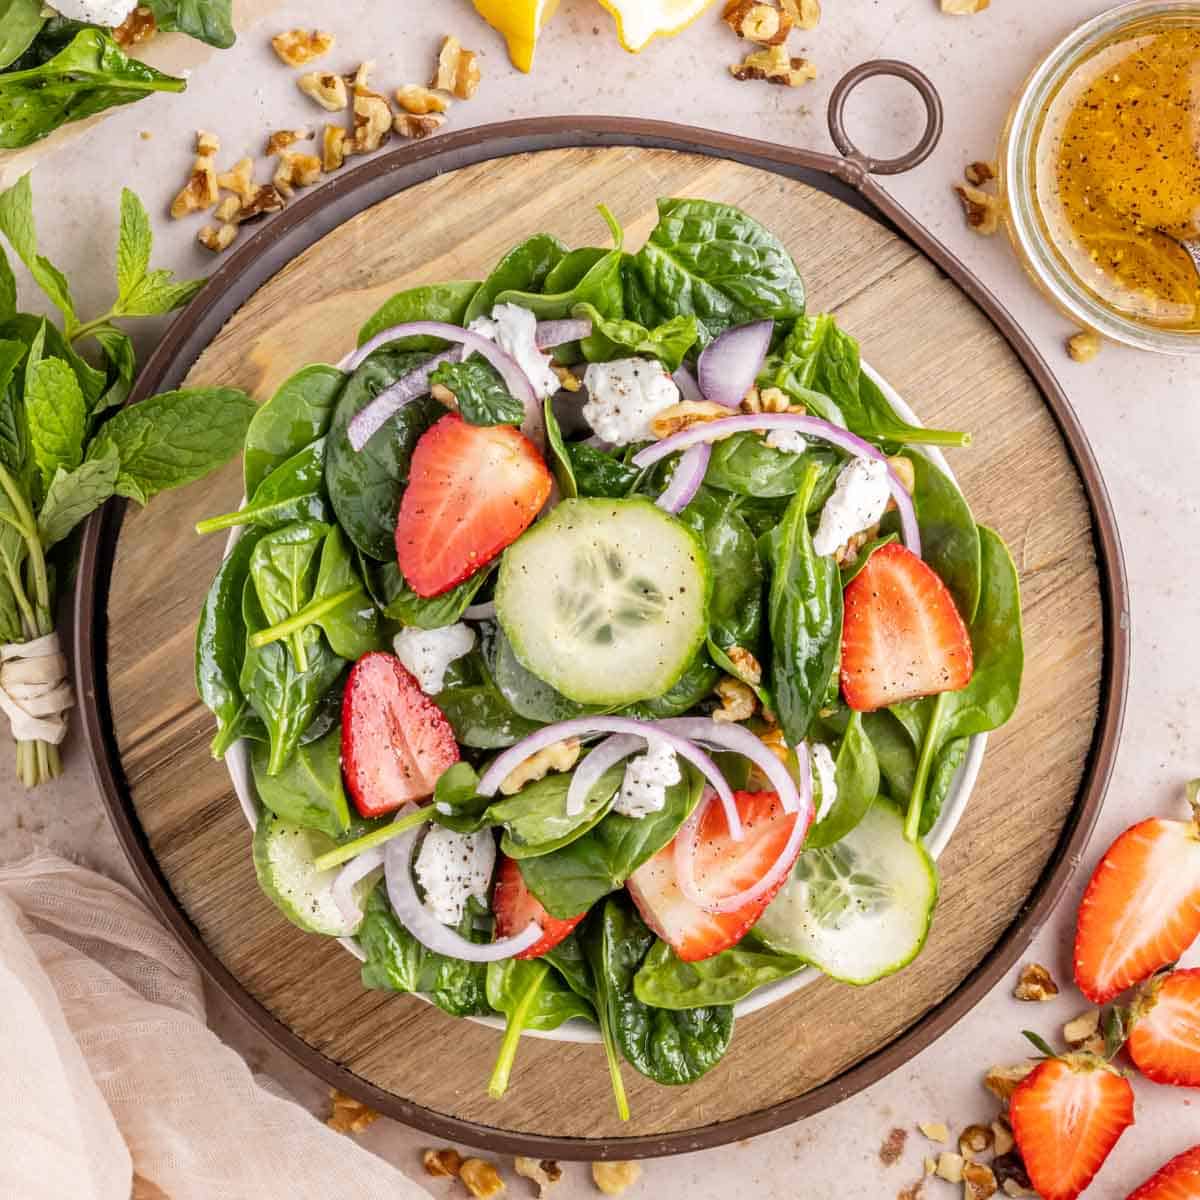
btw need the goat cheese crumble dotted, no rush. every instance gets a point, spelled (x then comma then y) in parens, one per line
(625, 396)
(859, 499)
(427, 653)
(452, 867)
(514, 330)
(97, 12)
(826, 773)
(647, 777)
(790, 441)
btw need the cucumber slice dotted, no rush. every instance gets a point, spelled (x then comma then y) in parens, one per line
(605, 600)
(283, 862)
(859, 909)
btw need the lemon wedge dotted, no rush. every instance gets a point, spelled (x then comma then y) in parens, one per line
(640, 21)
(520, 21)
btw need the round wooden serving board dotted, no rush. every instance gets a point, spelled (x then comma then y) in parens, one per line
(1042, 775)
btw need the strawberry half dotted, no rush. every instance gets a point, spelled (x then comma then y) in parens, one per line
(472, 490)
(515, 906)
(1177, 1180)
(1141, 909)
(902, 637)
(395, 741)
(722, 868)
(1165, 1041)
(1066, 1117)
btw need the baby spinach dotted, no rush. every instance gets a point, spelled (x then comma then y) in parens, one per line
(569, 270)
(697, 682)
(483, 397)
(894, 751)
(529, 696)
(524, 268)
(20, 22)
(297, 415)
(535, 819)
(856, 774)
(208, 21)
(479, 714)
(400, 603)
(613, 337)
(308, 791)
(294, 491)
(851, 568)
(746, 465)
(804, 614)
(664, 980)
(949, 758)
(713, 262)
(564, 472)
(598, 473)
(876, 414)
(446, 302)
(283, 568)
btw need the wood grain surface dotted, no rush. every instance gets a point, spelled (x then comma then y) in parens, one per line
(950, 364)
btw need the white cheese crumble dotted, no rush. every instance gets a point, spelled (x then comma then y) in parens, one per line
(97, 12)
(452, 867)
(427, 653)
(859, 499)
(826, 773)
(514, 330)
(625, 396)
(790, 441)
(647, 777)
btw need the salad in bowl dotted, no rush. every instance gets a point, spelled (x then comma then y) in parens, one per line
(598, 644)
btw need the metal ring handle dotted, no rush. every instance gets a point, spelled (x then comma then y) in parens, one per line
(933, 116)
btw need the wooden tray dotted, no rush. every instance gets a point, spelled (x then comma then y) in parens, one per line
(296, 293)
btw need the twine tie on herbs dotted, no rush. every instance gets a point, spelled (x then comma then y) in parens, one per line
(34, 691)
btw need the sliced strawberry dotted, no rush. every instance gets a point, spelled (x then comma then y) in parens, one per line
(1165, 1041)
(515, 906)
(1177, 1180)
(1141, 909)
(902, 637)
(1066, 1117)
(722, 868)
(472, 491)
(395, 741)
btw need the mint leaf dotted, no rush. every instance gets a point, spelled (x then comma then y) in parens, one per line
(157, 292)
(12, 418)
(175, 438)
(16, 223)
(483, 397)
(122, 363)
(133, 244)
(8, 288)
(72, 495)
(57, 417)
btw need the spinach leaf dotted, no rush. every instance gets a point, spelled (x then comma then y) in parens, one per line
(400, 603)
(483, 397)
(308, 791)
(524, 268)
(894, 751)
(564, 472)
(57, 418)
(527, 695)
(20, 22)
(283, 568)
(570, 880)
(365, 488)
(72, 495)
(208, 21)
(172, 439)
(949, 758)
(668, 1046)
(713, 262)
(598, 473)
(297, 415)
(698, 681)
(535, 819)
(481, 718)
(746, 465)
(340, 604)
(664, 980)
(875, 413)
(90, 75)
(446, 302)
(804, 616)
(569, 960)
(294, 491)
(571, 269)
(850, 569)
(857, 776)
(613, 337)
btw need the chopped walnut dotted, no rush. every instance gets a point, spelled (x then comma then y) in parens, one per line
(1011, 1187)
(218, 239)
(207, 144)
(761, 23)
(749, 668)
(296, 170)
(805, 14)
(201, 190)
(774, 65)
(1010, 1173)
(774, 741)
(975, 1139)
(443, 395)
(848, 552)
(137, 27)
(372, 116)
(738, 701)
(935, 1131)
(929, 1165)
(561, 756)
(1002, 1081)
(327, 89)
(228, 209)
(409, 126)
(1080, 1031)
(567, 378)
(1036, 984)
(964, 8)
(442, 1164)
(979, 173)
(418, 100)
(349, 1115)
(776, 400)
(265, 200)
(544, 1172)
(239, 180)
(978, 1181)
(684, 415)
(299, 46)
(1002, 1138)
(615, 1178)
(481, 1178)
(905, 470)
(949, 1167)
(281, 139)
(982, 209)
(893, 1147)
(1084, 346)
(333, 147)
(751, 401)
(457, 70)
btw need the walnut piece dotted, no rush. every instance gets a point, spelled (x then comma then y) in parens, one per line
(935, 1131)
(372, 116)
(1011, 1175)
(201, 190)
(327, 89)
(805, 14)
(1002, 1138)
(982, 209)
(893, 1146)
(207, 143)
(281, 139)
(418, 100)
(1080, 1030)
(774, 741)
(265, 200)
(239, 180)
(218, 239)
(1036, 984)
(949, 1167)
(296, 170)
(296, 47)
(1002, 1081)
(615, 1178)
(544, 1172)
(443, 395)
(905, 470)
(964, 8)
(442, 1164)
(228, 209)
(481, 1178)
(457, 70)
(561, 756)
(738, 701)
(761, 23)
(748, 667)
(975, 1139)
(979, 173)
(1084, 346)
(775, 66)
(333, 147)
(567, 378)
(978, 1181)
(683, 415)
(407, 125)
(137, 27)
(349, 1115)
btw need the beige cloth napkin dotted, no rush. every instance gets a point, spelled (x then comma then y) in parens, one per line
(108, 1072)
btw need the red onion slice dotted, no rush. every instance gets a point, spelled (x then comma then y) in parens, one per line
(607, 754)
(730, 364)
(582, 727)
(367, 423)
(411, 912)
(685, 381)
(343, 886)
(710, 431)
(555, 333)
(689, 475)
